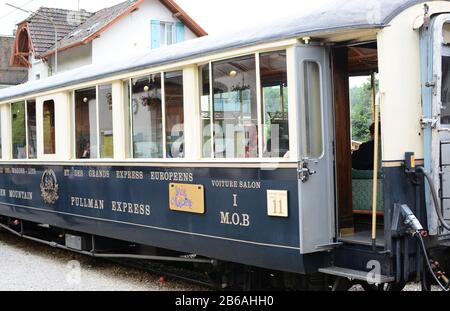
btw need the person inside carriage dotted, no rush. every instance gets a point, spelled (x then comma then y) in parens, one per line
(362, 159)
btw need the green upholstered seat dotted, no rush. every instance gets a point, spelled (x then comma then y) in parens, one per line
(362, 188)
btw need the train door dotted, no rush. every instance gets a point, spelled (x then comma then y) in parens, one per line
(316, 180)
(435, 48)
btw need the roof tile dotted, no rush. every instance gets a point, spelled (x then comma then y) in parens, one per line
(94, 23)
(42, 30)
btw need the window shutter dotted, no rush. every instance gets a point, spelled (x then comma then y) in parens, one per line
(180, 32)
(156, 33)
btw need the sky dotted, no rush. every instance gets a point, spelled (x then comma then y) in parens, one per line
(214, 16)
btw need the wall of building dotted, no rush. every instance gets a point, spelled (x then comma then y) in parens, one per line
(74, 58)
(9, 75)
(132, 34)
(67, 60)
(38, 68)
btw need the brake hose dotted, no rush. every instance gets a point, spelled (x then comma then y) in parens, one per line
(437, 208)
(436, 204)
(427, 259)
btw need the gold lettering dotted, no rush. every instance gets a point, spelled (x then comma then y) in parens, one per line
(86, 203)
(235, 219)
(130, 208)
(130, 175)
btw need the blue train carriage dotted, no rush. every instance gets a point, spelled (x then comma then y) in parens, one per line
(237, 149)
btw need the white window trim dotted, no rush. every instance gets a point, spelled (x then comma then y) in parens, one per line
(130, 155)
(163, 112)
(291, 108)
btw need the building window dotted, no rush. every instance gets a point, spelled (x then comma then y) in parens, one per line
(274, 92)
(49, 127)
(86, 123)
(23, 130)
(146, 115)
(235, 115)
(174, 111)
(167, 35)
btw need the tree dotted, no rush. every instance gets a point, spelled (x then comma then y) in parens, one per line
(361, 111)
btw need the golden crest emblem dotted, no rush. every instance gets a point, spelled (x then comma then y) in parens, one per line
(49, 187)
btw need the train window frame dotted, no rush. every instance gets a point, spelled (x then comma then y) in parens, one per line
(98, 157)
(130, 119)
(1, 133)
(444, 117)
(28, 130)
(247, 119)
(101, 143)
(291, 154)
(74, 133)
(27, 157)
(173, 153)
(284, 104)
(303, 137)
(52, 130)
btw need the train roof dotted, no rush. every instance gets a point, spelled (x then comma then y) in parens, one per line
(339, 15)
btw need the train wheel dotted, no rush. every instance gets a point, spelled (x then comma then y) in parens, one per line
(341, 284)
(385, 287)
(395, 287)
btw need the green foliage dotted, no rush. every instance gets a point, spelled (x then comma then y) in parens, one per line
(361, 107)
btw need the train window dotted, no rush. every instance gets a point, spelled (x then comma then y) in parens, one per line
(205, 110)
(128, 121)
(1, 145)
(313, 138)
(274, 92)
(147, 125)
(86, 123)
(105, 120)
(49, 127)
(445, 113)
(18, 130)
(31, 129)
(235, 108)
(174, 114)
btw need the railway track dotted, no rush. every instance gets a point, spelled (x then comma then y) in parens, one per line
(171, 271)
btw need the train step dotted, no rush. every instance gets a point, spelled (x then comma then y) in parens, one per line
(353, 274)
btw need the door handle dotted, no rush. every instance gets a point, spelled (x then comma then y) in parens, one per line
(304, 172)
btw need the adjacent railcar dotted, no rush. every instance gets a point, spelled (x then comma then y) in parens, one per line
(234, 151)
